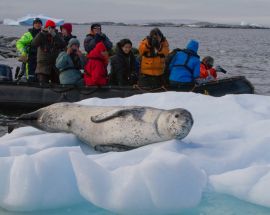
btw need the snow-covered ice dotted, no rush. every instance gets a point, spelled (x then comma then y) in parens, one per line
(226, 152)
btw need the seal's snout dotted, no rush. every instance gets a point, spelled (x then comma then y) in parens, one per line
(180, 123)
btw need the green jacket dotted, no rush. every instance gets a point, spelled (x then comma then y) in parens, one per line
(24, 43)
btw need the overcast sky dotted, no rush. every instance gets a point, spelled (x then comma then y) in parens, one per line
(222, 11)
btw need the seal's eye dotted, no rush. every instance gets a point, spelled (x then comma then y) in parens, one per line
(176, 116)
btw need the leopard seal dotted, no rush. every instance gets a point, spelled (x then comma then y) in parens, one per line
(112, 128)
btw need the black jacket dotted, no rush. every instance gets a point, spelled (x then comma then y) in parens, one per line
(67, 38)
(90, 42)
(123, 71)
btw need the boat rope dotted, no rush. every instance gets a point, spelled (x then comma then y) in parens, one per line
(193, 88)
(61, 90)
(87, 92)
(160, 89)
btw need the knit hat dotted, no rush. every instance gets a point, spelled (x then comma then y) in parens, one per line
(94, 25)
(37, 20)
(50, 23)
(66, 26)
(208, 61)
(73, 41)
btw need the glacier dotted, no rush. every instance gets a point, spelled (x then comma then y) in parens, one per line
(28, 20)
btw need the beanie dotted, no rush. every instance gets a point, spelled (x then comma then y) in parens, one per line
(208, 61)
(37, 20)
(73, 41)
(67, 26)
(50, 23)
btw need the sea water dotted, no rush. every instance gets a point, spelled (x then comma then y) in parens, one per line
(240, 51)
(211, 204)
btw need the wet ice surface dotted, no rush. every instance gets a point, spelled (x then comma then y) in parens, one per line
(221, 166)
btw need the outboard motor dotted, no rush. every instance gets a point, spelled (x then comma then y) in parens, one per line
(5, 73)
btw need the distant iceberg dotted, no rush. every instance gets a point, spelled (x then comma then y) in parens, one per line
(28, 20)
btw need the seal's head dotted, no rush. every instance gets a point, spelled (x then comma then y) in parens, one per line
(175, 123)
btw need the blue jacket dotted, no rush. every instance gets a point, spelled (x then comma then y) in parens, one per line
(185, 65)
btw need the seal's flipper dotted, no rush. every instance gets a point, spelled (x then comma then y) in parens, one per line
(29, 119)
(116, 113)
(113, 148)
(10, 122)
(29, 116)
(16, 122)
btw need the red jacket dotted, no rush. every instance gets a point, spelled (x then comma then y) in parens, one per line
(96, 67)
(204, 72)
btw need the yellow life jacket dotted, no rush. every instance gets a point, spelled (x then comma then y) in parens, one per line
(153, 64)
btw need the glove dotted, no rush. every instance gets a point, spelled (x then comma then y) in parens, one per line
(23, 58)
(155, 43)
(52, 32)
(133, 77)
(149, 41)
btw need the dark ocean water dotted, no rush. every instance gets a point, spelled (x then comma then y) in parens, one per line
(240, 51)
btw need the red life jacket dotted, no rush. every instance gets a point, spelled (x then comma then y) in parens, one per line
(204, 72)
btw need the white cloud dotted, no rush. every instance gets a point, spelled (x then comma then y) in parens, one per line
(123, 10)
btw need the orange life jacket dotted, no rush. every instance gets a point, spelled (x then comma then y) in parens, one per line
(204, 72)
(153, 65)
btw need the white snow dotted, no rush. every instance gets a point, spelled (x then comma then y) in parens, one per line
(227, 151)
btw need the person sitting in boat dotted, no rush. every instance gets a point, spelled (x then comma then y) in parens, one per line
(69, 63)
(49, 44)
(66, 32)
(123, 65)
(207, 71)
(96, 66)
(185, 65)
(153, 51)
(95, 36)
(28, 53)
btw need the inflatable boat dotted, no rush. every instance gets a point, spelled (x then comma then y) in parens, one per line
(20, 97)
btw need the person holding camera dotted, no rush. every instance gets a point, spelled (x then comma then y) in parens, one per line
(95, 37)
(28, 53)
(69, 63)
(66, 32)
(207, 71)
(153, 51)
(49, 43)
